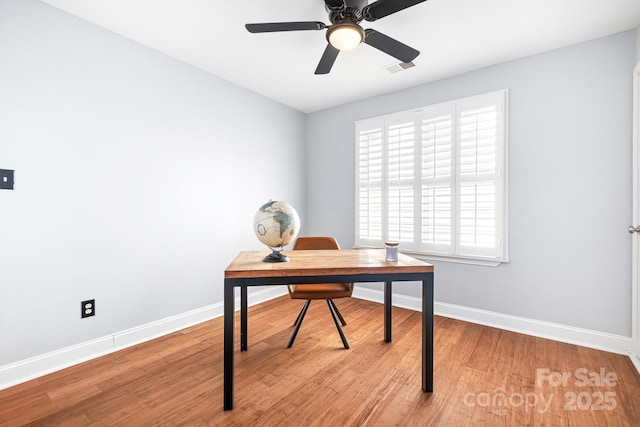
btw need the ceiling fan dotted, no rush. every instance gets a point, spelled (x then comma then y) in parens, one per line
(345, 32)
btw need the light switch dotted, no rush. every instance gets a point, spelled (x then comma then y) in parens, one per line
(6, 179)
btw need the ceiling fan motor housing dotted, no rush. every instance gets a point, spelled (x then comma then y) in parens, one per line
(346, 15)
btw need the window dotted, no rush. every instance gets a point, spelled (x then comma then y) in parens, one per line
(434, 179)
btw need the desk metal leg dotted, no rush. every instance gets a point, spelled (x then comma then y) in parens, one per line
(387, 311)
(243, 318)
(427, 334)
(228, 343)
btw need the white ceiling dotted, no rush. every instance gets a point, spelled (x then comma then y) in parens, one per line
(453, 36)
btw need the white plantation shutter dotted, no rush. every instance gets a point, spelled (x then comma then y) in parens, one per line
(435, 179)
(369, 198)
(400, 181)
(480, 138)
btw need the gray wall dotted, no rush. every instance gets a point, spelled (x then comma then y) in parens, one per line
(570, 184)
(137, 178)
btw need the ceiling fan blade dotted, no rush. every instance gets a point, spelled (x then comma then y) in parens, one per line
(390, 46)
(383, 8)
(334, 4)
(328, 58)
(285, 26)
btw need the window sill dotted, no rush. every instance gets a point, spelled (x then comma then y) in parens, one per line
(485, 262)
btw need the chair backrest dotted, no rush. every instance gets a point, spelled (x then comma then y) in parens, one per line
(319, 291)
(316, 242)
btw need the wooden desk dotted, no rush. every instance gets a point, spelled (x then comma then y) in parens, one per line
(325, 266)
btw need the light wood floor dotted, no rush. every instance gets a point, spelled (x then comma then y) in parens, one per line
(483, 376)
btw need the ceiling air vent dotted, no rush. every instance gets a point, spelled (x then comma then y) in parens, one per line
(394, 68)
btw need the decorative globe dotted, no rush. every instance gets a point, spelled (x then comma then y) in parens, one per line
(276, 224)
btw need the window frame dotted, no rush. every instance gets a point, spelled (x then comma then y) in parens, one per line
(450, 252)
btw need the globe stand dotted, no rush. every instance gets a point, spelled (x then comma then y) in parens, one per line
(276, 256)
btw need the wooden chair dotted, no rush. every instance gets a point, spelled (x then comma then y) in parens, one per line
(325, 291)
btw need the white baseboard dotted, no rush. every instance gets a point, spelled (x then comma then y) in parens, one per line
(28, 369)
(38, 366)
(636, 361)
(554, 331)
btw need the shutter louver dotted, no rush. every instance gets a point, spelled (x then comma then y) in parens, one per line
(436, 216)
(477, 215)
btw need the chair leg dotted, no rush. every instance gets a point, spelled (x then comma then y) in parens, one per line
(295, 322)
(335, 319)
(298, 322)
(333, 304)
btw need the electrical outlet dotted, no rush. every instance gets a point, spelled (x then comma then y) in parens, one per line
(88, 308)
(6, 179)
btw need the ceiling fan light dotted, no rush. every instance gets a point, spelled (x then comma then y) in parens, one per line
(345, 36)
